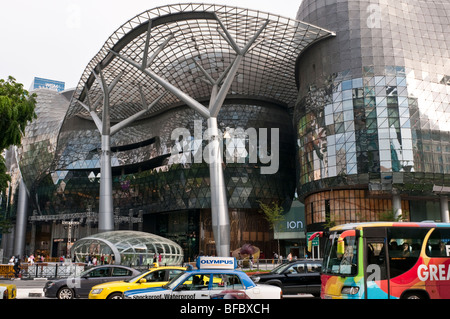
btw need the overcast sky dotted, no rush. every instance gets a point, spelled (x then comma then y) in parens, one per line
(56, 39)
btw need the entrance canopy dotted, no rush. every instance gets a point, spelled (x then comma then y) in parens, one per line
(128, 248)
(191, 46)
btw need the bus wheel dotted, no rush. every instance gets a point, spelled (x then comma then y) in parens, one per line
(414, 295)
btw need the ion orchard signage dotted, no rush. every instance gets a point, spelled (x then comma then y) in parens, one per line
(294, 224)
(241, 146)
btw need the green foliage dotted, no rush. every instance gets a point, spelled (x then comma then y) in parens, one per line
(329, 223)
(4, 178)
(16, 111)
(389, 216)
(272, 213)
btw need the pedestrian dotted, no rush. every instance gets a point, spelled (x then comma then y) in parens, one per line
(11, 261)
(250, 261)
(159, 259)
(16, 266)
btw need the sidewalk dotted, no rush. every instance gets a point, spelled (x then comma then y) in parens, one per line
(27, 293)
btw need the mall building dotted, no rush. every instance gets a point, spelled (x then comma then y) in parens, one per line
(191, 115)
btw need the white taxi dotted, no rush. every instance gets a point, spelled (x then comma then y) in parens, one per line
(215, 278)
(8, 291)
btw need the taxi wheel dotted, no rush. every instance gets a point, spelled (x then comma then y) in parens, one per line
(116, 295)
(65, 293)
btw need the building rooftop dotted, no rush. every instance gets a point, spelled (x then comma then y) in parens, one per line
(188, 45)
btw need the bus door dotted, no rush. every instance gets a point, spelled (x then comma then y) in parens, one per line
(375, 262)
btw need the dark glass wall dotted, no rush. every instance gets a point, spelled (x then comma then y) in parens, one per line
(373, 108)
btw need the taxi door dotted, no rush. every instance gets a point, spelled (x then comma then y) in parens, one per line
(196, 286)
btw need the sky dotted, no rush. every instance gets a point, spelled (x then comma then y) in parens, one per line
(56, 39)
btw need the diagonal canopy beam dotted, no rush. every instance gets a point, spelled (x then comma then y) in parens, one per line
(94, 115)
(219, 204)
(169, 87)
(135, 116)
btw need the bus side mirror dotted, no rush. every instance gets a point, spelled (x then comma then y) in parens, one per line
(340, 247)
(319, 233)
(341, 243)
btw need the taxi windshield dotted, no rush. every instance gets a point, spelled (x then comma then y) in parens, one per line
(136, 278)
(175, 281)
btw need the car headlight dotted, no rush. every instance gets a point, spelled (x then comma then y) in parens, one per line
(256, 279)
(96, 291)
(347, 290)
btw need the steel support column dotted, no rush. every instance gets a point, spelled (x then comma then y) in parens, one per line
(21, 221)
(106, 207)
(219, 205)
(105, 212)
(396, 204)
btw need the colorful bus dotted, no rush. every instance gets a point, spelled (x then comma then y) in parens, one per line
(386, 260)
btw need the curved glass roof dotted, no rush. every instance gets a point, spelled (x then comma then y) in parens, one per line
(129, 248)
(182, 43)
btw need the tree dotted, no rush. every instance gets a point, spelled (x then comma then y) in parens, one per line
(16, 111)
(390, 215)
(273, 214)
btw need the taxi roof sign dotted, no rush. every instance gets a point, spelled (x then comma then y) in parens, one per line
(205, 262)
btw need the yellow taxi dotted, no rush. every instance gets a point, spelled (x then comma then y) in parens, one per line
(8, 291)
(155, 277)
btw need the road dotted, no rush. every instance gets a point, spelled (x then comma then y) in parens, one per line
(32, 289)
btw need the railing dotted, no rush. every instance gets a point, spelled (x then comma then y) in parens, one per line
(43, 270)
(259, 264)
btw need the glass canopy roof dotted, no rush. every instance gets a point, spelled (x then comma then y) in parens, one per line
(128, 248)
(181, 43)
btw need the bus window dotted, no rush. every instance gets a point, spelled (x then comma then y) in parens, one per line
(376, 259)
(438, 244)
(340, 264)
(404, 248)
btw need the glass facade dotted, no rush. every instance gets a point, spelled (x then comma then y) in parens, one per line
(361, 111)
(159, 167)
(373, 108)
(165, 175)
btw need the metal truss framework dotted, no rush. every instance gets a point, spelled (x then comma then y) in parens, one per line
(191, 53)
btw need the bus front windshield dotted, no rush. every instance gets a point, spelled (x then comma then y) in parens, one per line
(340, 264)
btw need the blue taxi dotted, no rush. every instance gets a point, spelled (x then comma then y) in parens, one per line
(215, 278)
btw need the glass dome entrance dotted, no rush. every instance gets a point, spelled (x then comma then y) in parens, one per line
(130, 248)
